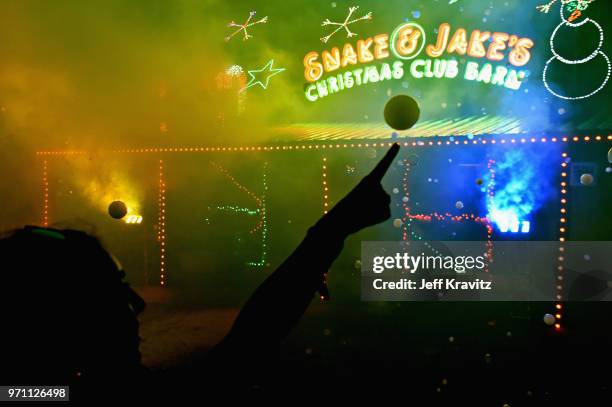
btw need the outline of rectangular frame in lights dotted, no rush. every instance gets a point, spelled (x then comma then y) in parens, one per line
(492, 139)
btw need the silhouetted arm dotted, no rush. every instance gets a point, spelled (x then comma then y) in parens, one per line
(278, 303)
(276, 306)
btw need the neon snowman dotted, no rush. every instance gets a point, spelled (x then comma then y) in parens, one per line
(575, 8)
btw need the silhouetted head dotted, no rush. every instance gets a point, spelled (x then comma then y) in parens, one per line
(66, 312)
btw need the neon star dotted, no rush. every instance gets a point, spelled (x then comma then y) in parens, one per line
(269, 72)
(243, 27)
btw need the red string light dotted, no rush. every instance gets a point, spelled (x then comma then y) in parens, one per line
(435, 216)
(257, 198)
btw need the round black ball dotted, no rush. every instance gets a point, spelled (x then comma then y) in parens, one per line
(117, 209)
(401, 112)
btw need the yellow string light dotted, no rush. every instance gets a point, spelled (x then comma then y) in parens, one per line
(297, 147)
(161, 225)
(325, 187)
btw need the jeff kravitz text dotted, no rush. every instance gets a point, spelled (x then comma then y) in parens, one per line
(435, 284)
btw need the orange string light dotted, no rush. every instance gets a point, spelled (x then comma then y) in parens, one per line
(45, 195)
(562, 236)
(161, 225)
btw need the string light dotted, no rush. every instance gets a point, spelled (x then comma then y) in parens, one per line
(563, 229)
(408, 217)
(161, 225)
(405, 200)
(61, 152)
(491, 200)
(601, 86)
(407, 220)
(45, 195)
(262, 211)
(297, 147)
(435, 216)
(241, 187)
(264, 229)
(576, 61)
(325, 187)
(502, 139)
(237, 209)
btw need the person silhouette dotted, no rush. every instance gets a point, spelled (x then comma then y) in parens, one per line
(71, 319)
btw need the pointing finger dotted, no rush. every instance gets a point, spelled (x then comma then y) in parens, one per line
(381, 168)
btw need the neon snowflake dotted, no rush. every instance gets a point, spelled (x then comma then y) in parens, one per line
(572, 5)
(243, 27)
(345, 24)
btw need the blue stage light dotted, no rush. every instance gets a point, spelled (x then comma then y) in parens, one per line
(522, 184)
(508, 221)
(526, 226)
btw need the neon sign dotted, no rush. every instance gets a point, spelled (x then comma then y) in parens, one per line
(406, 43)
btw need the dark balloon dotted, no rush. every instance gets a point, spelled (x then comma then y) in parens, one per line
(401, 112)
(117, 209)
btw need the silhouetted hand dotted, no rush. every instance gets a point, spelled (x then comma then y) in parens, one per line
(280, 301)
(367, 204)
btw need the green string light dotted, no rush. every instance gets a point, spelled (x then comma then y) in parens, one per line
(238, 209)
(264, 226)
(261, 211)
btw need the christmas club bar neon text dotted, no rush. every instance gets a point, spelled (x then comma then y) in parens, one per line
(406, 43)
